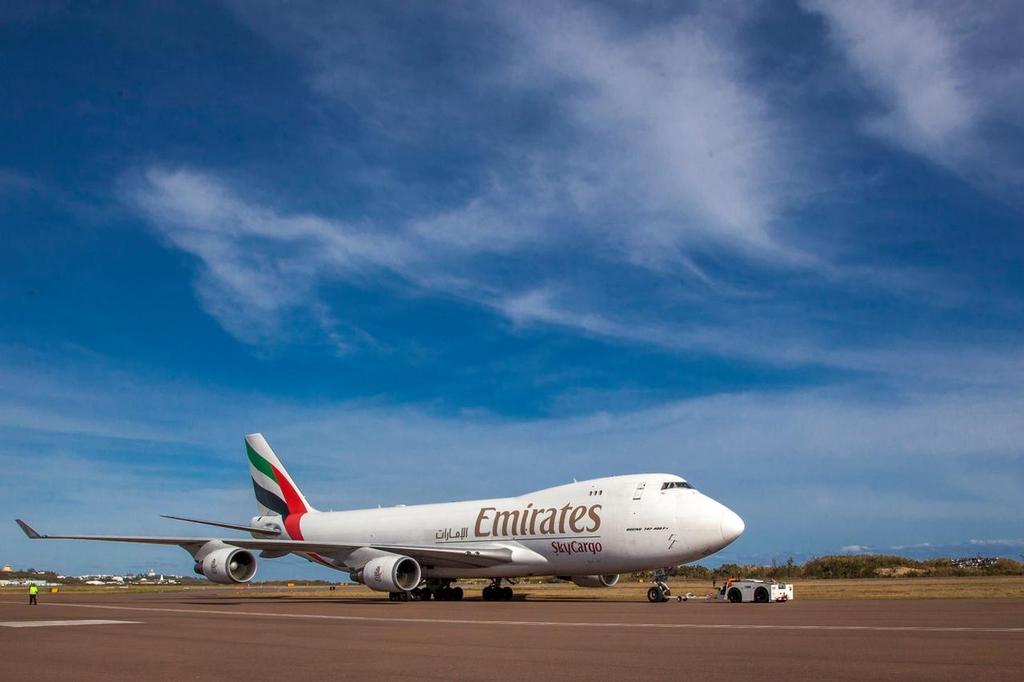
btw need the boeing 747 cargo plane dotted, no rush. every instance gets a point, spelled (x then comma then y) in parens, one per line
(587, 532)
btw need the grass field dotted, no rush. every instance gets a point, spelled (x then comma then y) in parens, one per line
(995, 587)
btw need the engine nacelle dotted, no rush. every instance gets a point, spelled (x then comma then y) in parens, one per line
(227, 566)
(595, 580)
(389, 574)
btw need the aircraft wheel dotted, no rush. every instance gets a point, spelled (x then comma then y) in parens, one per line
(506, 594)
(456, 594)
(403, 596)
(488, 593)
(655, 595)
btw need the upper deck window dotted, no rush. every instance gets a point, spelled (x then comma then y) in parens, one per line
(676, 484)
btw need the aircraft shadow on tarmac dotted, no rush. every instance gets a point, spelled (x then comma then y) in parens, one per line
(370, 601)
(214, 601)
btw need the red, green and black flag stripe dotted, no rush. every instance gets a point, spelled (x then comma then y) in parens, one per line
(276, 492)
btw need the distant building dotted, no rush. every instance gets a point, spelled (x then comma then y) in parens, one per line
(973, 562)
(25, 582)
(7, 569)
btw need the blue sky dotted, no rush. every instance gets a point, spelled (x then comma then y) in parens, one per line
(446, 250)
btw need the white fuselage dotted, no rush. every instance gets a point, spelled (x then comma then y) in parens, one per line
(602, 526)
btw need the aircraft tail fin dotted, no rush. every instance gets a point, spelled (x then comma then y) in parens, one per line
(276, 492)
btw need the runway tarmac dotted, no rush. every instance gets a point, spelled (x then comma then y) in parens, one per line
(225, 635)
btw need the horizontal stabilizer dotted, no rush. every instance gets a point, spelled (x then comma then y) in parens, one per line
(220, 524)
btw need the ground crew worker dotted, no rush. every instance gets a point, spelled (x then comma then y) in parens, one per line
(32, 592)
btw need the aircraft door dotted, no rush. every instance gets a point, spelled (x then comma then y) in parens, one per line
(637, 532)
(639, 492)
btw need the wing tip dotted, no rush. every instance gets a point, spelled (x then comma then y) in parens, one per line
(28, 530)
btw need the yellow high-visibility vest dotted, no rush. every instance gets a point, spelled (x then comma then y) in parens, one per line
(33, 590)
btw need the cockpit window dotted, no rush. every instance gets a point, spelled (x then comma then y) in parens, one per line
(675, 484)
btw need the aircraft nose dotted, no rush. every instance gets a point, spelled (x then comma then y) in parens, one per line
(732, 526)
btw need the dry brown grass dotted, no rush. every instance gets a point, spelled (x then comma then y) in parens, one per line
(974, 587)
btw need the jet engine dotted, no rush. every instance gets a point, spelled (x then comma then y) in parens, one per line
(595, 580)
(227, 565)
(389, 574)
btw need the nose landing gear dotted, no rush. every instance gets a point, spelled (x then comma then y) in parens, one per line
(661, 591)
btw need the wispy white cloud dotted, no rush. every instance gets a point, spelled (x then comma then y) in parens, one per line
(943, 72)
(257, 262)
(659, 152)
(937, 549)
(911, 57)
(856, 549)
(809, 424)
(666, 124)
(656, 140)
(1002, 542)
(921, 364)
(260, 266)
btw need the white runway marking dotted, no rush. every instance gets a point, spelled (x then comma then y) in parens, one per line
(54, 623)
(548, 623)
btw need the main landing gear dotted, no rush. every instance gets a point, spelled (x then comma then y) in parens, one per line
(439, 590)
(495, 592)
(660, 592)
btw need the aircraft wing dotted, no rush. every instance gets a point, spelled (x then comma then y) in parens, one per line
(478, 556)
